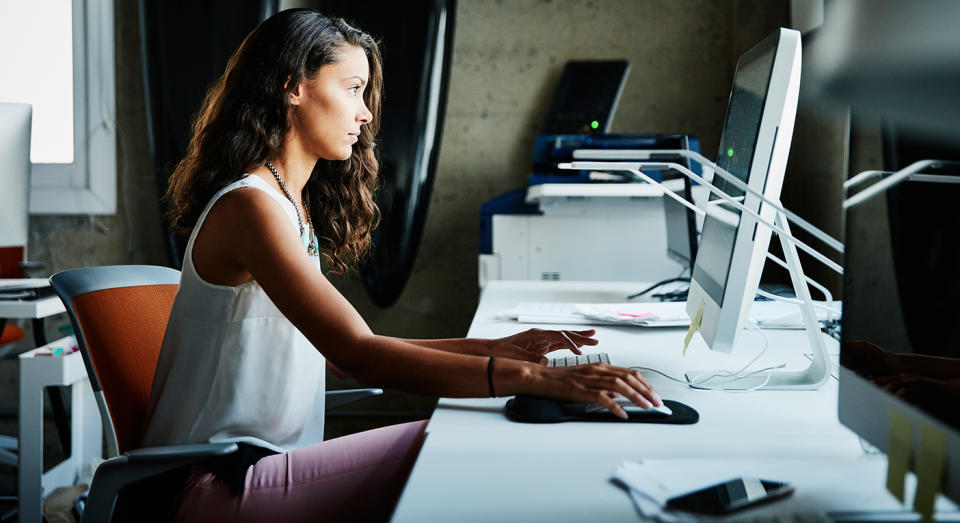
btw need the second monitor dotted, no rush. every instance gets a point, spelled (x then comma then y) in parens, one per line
(753, 147)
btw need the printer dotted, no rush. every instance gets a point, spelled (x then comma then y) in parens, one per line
(590, 226)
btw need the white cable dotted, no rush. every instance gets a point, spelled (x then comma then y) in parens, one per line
(733, 376)
(795, 301)
(665, 375)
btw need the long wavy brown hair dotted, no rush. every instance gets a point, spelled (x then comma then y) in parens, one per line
(245, 117)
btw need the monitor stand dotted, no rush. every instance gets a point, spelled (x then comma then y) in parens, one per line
(811, 378)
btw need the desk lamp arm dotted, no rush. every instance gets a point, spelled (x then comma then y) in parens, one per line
(828, 296)
(912, 172)
(653, 155)
(634, 168)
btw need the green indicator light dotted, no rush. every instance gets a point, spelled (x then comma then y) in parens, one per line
(594, 124)
(730, 153)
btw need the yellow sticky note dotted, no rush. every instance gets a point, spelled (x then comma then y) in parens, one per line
(899, 446)
(694, 327)
(930, 469)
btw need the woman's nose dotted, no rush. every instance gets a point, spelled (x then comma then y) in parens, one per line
(365, 115)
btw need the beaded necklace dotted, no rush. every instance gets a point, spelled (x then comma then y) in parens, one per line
(309, 242)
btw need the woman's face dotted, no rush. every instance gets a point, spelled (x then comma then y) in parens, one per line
(328, 109)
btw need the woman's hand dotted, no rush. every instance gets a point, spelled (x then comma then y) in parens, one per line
(533, 344)
(598, 382)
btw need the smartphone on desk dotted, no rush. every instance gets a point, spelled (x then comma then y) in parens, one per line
(730, 496)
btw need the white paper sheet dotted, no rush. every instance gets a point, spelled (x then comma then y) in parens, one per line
(768, 314)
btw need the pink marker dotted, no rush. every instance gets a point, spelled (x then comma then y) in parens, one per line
(644, 315)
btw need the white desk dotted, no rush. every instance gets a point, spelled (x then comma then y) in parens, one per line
(82, 429)
(34, 309)
(476, 465)
(86, 440)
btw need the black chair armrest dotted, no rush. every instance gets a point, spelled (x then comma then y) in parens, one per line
(115, 473)
(339, 398)
(201, 451)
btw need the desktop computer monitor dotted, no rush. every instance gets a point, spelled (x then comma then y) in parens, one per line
(15, 119)
(681, 224)
(900, 331)
(586, 97)
(753, 147)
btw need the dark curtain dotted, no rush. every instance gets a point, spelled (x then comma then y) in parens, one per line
(417, 42)
(185, 46)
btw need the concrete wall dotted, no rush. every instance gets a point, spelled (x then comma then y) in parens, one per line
(507, 60)
(508, 57)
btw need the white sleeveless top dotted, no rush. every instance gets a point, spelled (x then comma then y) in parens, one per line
(232, 367)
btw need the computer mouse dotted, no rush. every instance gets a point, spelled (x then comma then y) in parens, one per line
(630, 407)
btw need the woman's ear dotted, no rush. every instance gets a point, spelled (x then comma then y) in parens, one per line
(294, 93)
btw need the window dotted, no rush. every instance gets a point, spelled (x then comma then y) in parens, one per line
(58, 56)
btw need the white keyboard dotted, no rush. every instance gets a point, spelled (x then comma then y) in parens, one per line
(583, 359)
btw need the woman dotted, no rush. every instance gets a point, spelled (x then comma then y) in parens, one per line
(280, 171)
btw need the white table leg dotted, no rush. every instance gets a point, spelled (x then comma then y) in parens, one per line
(30, 468)
(36, 373)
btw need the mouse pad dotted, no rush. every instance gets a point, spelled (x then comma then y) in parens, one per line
(533, 409)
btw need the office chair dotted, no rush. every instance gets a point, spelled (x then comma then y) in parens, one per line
(119, 315)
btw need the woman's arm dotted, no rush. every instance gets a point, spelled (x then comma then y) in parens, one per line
(474, 346)
(252, 230)
(529, 345)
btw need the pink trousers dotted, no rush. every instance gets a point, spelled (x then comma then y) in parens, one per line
(354, 478)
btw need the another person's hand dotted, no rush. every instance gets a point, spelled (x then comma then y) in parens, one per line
(869, 360)
(923, 391)
(534, 344)
(598, 382)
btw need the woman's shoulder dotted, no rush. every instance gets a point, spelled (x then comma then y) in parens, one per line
(246, 203)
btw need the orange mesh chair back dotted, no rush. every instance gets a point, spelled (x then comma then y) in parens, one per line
(119, 315)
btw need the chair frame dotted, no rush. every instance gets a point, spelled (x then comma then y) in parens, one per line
(133, 465)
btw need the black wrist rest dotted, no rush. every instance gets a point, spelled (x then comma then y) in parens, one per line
(533, 409)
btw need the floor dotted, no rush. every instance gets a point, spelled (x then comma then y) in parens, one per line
(52, 454)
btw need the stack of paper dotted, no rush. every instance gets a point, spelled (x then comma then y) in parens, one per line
(769, 314)
(665, 314)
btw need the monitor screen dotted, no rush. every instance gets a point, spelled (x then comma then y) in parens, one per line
(737, 145)
(681, 225)
(586, 97)
(15, 120)
(901, 297)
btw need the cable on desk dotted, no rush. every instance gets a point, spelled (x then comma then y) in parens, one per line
(679, 295)
(739, 374)
(867, 448)
(656, 285)
(665, 375)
